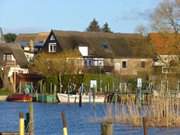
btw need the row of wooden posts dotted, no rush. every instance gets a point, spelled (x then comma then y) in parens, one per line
(26, 126)
(106, 127)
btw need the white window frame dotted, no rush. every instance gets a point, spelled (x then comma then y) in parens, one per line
(52, 47)
(8, 57)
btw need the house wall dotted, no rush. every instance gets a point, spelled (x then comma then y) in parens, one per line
(133, 66)
(29, 56)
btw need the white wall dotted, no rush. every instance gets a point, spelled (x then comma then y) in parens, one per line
(83, 50)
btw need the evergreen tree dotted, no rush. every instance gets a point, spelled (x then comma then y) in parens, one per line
(10, 37)
(106, 28)
(93, 26)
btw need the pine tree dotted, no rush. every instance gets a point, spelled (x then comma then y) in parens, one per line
(93, 26)
(106, 28)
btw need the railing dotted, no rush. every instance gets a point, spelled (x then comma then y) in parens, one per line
(8, 63)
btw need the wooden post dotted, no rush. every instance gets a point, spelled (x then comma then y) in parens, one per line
(55, 91)
(106, 128)
(41, 86)
(21, 123)
(31, 120)
(60, 88)
(27, 122)
(145, 126)
(20, 86)
(51, 88)
(65, 131)
(80, 95)
(14, 85)
(80, 99)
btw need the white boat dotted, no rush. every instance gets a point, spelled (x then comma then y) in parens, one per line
(70, 98)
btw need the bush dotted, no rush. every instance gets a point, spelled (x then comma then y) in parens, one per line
(4, 91)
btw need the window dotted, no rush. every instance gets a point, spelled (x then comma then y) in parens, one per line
(124, 64)
(52, 37)
(104, 45)
(143, 64)
(52, 47)
(8, 57)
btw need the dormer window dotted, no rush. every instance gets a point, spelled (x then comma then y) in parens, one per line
(8, 57)
(52, 48)
(104, 46)
(52, 38)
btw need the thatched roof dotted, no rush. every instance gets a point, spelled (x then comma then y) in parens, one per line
(105, 45)
(38, 38)
(14, 49)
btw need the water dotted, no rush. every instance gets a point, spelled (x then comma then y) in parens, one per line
(48, 119)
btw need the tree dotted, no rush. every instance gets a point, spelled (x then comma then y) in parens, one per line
(166, 21)
(67, 62)
(93, 26)
(106, 28)
(62, 69)
(166, 17)
(10, 37)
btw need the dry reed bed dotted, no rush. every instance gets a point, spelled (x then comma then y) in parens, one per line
(160, 111)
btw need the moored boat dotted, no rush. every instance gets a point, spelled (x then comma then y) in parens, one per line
(19, 97)
(74, 98)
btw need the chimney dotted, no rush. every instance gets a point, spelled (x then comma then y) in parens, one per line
(31, 45)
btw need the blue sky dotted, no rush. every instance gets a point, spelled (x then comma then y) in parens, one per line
(43, 15)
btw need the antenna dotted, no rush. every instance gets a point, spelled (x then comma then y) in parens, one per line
(1, 35)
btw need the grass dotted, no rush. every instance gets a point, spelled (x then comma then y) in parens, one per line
(4, 91)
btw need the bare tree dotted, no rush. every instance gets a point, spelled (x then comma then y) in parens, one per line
(141, 29)
(166, 17)
(166, 21)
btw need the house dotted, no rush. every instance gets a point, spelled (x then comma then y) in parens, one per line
(126, 54)
(12, 60)
(166, 72)
(167, 48)
(31, 43)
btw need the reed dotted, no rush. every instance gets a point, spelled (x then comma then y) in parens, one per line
(162, 111)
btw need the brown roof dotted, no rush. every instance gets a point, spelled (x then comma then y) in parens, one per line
(165, 43)
(106, 44)
(41, 36)
(16, 50)
(26, 37)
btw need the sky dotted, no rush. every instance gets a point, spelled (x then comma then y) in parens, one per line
(29, 16)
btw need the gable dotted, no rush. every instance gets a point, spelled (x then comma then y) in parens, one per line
(16, 51)
(51, 40)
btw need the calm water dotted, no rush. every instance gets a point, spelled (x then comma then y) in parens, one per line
(48, 120)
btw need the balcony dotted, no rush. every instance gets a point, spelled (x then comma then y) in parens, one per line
(99, 69)
(9, 63)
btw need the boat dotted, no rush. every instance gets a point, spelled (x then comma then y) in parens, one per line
(74, 98)
(18, 97)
